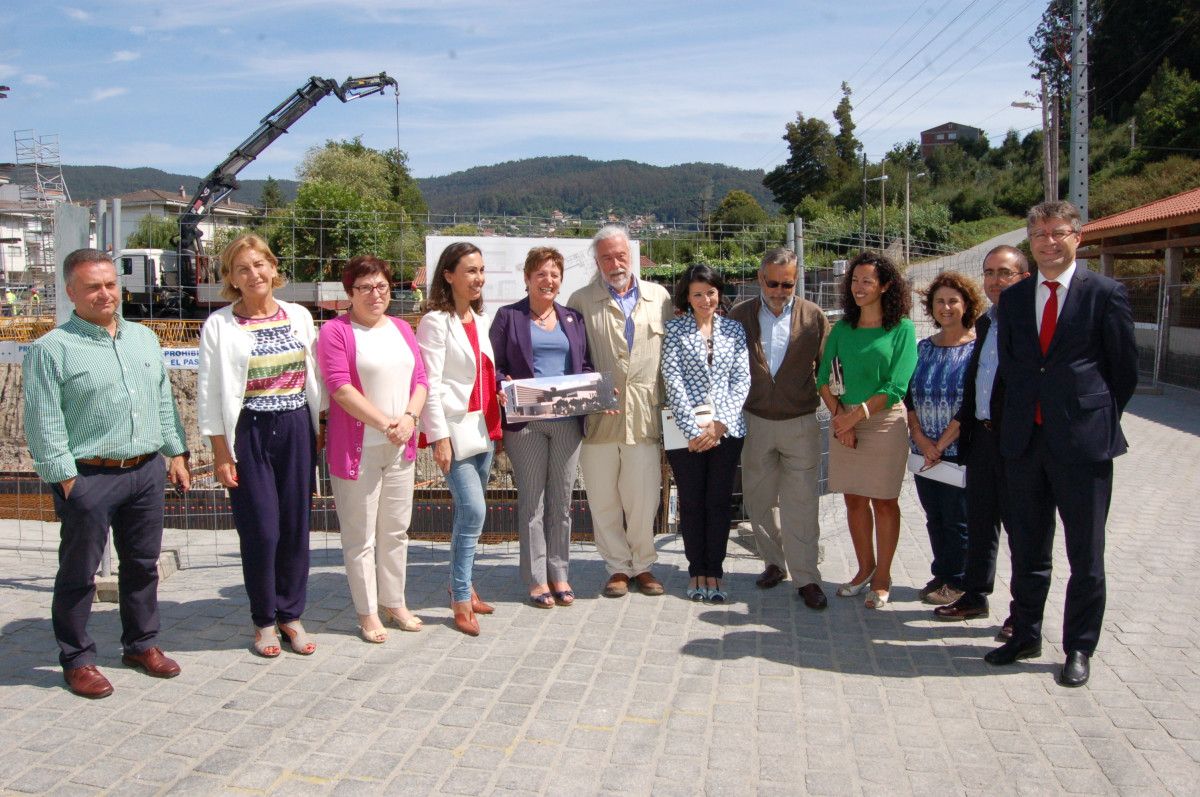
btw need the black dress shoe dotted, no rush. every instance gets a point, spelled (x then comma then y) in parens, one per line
(1010, 652)
(964, 608)
(771, 577)
(1076, 670)
(813, 595)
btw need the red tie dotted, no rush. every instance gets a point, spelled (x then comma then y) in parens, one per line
(1046, 333)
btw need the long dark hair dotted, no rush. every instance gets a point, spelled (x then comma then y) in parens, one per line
(895, 300)
(440, 295)
(698, 273)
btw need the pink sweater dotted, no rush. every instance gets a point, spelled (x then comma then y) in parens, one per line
(336, 353)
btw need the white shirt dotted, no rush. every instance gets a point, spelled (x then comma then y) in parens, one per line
(1042, 294)
(385, 364)
(775, 332)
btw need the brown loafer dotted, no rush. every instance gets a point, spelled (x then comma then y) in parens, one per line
(617, 586)
(648, 584)
(813, 595)
(964, 608)
(773, 576)
(153, 661)
(87, 682)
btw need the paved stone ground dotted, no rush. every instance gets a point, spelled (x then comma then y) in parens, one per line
(640, 695)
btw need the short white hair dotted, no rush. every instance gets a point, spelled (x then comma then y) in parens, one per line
(606, 232)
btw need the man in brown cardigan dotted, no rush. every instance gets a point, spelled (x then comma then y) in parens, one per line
(782, 454)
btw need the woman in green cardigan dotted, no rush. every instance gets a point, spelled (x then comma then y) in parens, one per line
(865, 369)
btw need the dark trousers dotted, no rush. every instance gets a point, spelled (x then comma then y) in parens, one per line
(1081, 492)
(704, 482)
(946, 520)
(986, 498)
(271, 503)
(131, 501)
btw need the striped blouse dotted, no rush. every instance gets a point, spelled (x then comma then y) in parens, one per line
(275, 381)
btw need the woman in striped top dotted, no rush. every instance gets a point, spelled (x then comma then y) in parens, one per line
(259, 397)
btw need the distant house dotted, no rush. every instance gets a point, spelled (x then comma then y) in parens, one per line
(946, 134)
(163, 204)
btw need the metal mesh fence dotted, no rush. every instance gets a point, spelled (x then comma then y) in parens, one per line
(312, 246)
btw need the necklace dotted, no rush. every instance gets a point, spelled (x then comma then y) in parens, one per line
(540, 320)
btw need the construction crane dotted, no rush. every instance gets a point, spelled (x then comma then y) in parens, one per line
(222, 180)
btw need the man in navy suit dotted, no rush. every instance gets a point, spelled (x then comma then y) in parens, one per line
(1069, 366)
(978, 444)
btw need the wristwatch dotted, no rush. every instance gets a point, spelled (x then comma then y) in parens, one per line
(416, 420)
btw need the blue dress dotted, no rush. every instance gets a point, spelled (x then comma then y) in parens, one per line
(936, 390)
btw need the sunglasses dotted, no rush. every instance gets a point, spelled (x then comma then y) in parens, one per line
(772, 284)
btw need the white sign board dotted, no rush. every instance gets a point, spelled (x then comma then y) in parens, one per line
(504, 264)
(177, 359)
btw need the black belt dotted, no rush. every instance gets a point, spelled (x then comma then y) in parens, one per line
(123, 464)
(991, 427)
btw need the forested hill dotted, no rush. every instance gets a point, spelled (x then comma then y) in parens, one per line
(87, 183)
(583, 187)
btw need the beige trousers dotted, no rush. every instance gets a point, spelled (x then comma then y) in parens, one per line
(623, 489)
(780, 464)
(374, 513)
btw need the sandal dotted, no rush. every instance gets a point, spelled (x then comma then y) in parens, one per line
(878, 598)
(563, 597)
(266, 642)
(298, 638)
(376, 637)
(850, 589)
(697, 594)
(716, 594)
(410, 623)
(543, 600)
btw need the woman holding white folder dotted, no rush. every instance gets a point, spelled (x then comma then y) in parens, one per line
(953, 302)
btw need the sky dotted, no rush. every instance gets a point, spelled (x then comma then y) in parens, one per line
(177, 86)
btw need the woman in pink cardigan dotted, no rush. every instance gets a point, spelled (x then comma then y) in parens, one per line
(376, 380)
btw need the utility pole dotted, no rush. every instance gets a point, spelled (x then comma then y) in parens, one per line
(908, 175)
(881, 179)
(1079, 107)
(1049, 144)
(882, 205)
(862, 241)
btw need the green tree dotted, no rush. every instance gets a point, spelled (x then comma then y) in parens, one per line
(1130, 41)
(350, 164)
(272, 196)
(737, 209)
(811, 165)
(327, 225)
(844, 142)
(154, 232)
(1168, 112)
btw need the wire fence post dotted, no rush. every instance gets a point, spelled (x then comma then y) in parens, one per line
(799, 257)
(1164, 336)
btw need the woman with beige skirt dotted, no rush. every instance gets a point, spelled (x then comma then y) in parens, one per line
(866, 366)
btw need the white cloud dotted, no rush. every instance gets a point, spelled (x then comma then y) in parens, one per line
(137, 30)
(99, 95)
(77, 14)
(125, 55)
(34, 79)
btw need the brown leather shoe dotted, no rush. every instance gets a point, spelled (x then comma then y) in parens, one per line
(771, 577)
(153, 661)
(478, 606)
(87, 682)
(464, 618)
(964, 608)
(648, 584)
(814, 596)
(617, 586)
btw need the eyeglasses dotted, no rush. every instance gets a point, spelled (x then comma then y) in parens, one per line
(380, 288)
(999, 273)
(772, 284)
(1058, 235)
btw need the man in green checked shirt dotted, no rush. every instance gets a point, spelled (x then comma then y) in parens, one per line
(98, 413)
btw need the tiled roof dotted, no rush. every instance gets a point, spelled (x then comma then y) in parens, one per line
(1172, 208)
(154, 195)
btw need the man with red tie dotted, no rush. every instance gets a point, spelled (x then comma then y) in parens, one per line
(1069, 365)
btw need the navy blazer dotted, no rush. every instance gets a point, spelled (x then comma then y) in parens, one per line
(1084, 380)
(512, 344)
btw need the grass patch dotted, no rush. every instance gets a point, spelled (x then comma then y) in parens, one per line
(965, 234)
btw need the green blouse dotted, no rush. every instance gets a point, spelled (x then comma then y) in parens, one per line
(874, 360)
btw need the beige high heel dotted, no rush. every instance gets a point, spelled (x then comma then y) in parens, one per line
(297, 637)
(412, 623)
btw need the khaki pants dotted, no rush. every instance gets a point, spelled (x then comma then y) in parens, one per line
(780, 463)
(623, 485)
(374, 513)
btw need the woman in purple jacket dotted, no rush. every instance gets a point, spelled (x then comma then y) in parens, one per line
(537, 336)
(373, 370)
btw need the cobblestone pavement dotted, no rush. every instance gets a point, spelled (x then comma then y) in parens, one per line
(639, 695)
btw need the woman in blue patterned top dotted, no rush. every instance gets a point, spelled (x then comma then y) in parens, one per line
(706, 370)
(935, 393)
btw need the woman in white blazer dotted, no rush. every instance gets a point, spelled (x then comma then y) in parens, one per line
(259, 398)
(461, 418)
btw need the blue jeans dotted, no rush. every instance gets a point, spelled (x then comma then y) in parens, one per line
(467, 481)
(946, 518)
